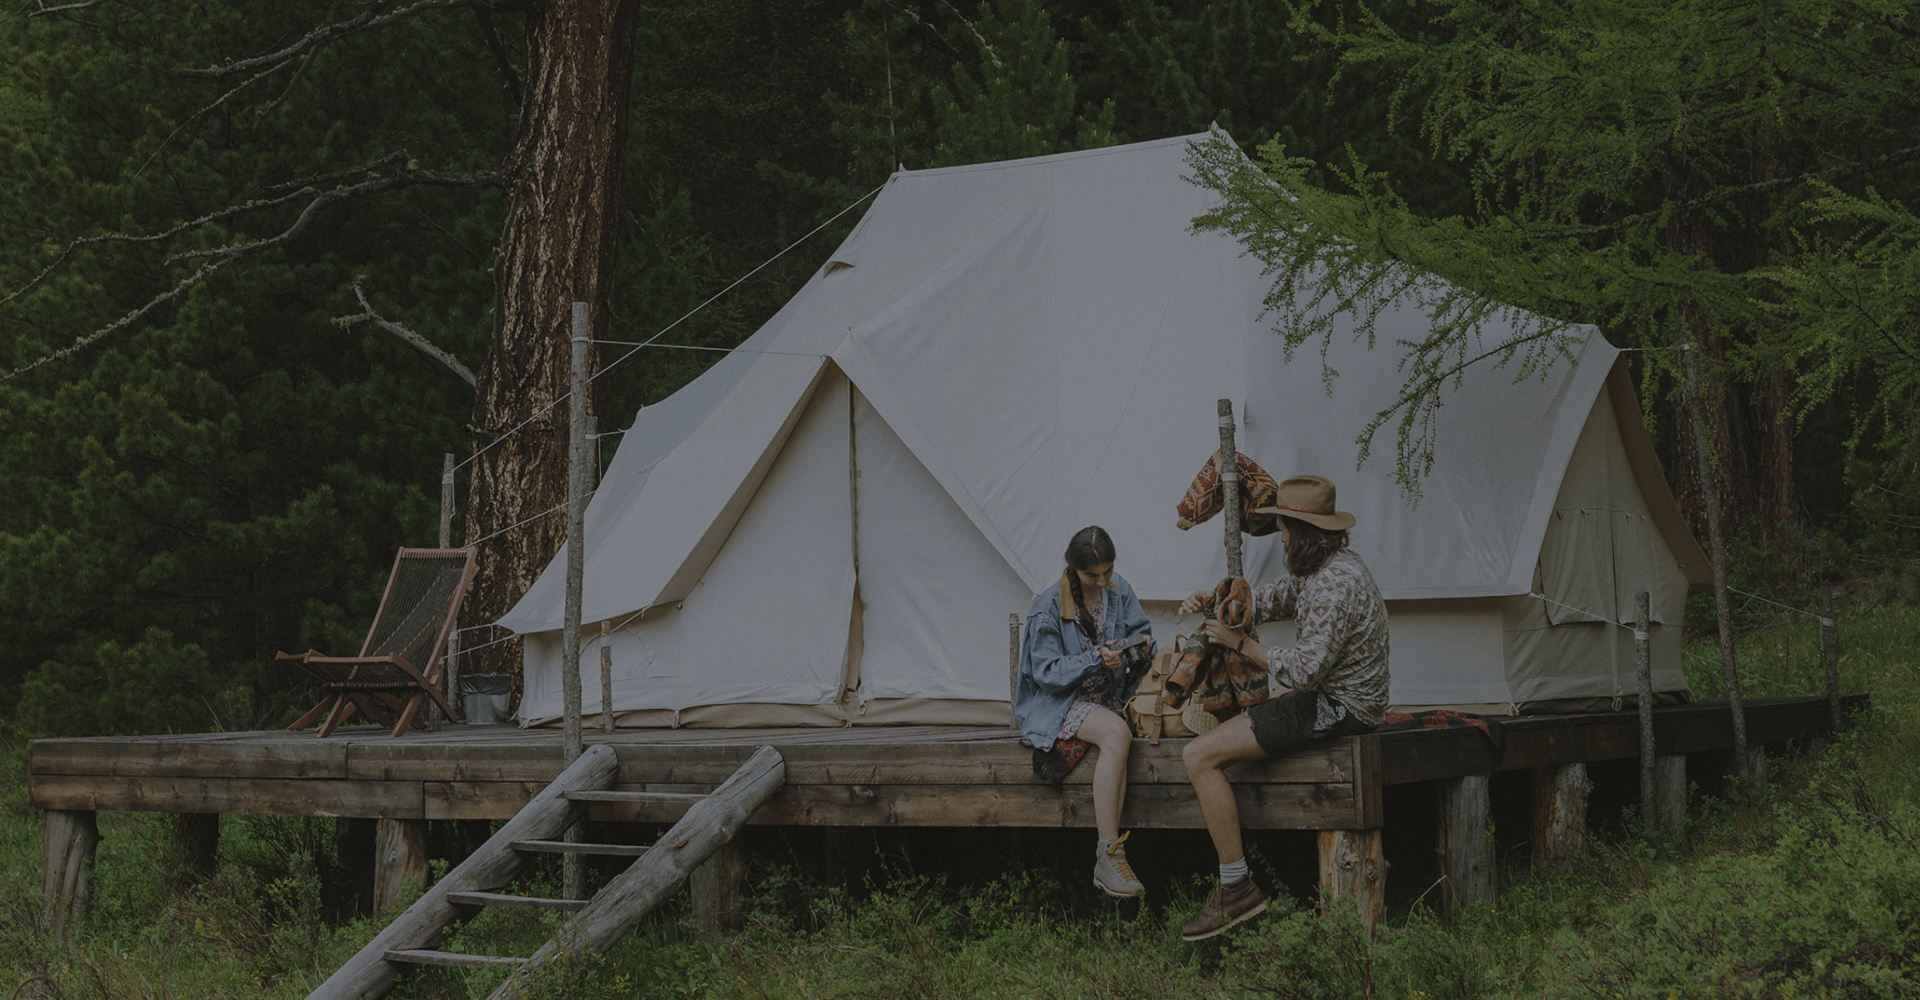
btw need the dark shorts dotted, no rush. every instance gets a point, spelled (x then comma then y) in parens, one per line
(1284, 724)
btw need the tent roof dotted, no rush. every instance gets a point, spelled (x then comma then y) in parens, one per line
(1047, 336)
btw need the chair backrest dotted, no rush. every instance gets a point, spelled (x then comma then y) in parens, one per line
(417, 611)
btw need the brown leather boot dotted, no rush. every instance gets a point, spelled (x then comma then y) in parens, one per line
(1226, 906)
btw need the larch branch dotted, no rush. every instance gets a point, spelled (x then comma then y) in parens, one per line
(425, 346)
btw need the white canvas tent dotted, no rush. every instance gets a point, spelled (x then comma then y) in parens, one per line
(832, 525)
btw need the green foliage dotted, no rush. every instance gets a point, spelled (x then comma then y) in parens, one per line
(1674, 173)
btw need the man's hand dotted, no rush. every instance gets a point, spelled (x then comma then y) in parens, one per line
(1197, 600)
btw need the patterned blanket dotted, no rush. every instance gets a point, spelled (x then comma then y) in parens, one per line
(1257, 489)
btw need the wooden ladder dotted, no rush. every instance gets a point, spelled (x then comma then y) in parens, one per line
(657, 872)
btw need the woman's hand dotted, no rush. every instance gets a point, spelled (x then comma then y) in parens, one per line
(1197, 600)
(1109, 657)
(1220, 634)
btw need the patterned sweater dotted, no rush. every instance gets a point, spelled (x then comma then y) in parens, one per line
(1341, 623)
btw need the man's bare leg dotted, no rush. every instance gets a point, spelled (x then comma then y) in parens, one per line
(1207, 758)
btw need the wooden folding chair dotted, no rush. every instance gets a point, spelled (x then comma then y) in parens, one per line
(399, 663)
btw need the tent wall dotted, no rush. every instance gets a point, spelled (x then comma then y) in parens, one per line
(1602, 547)
(767, 623)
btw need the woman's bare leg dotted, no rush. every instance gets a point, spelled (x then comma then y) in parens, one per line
(1109, 732)
(1207, 758)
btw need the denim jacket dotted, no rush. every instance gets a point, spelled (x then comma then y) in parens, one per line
(1055, 658)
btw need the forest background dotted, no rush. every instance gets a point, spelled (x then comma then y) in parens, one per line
(228, 472)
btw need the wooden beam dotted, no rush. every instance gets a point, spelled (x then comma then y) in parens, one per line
(1353, 872)
(195, 846)
(1157, 806)
(369, 973)
(719, 889)
(1466, 840)
(399, 860)
(630, 895)
(67, 842)
(879, 762)
(1560, 815)
(159, 793)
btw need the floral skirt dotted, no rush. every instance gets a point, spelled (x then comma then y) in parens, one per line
(1097, 691)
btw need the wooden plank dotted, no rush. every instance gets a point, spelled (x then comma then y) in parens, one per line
(307, 797)
(508, 901)
(1353, 872)
(427, 956)
(834, 764)
(579, 847)
(308, 758)
(1368, 786)
(1271, 806)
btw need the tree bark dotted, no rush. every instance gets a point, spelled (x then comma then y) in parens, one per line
(558, 246)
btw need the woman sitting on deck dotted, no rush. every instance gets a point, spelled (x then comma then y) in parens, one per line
(1073, 682)
(1332, 682)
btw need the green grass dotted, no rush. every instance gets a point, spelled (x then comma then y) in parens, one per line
(1811, 888)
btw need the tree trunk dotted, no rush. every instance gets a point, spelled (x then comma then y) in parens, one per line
(558, 246)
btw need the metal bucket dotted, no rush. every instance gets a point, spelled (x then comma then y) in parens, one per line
(484, 697)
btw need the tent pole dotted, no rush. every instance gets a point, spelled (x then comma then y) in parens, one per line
(1230, 485)
(452, 670)
(1643, 701)
(573, 871)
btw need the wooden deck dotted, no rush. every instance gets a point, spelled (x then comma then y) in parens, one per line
(878, 776)
(936, 776)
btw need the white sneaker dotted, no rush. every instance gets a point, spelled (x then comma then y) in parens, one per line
(1112, 874)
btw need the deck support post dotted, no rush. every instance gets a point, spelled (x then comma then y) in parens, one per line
(1466, 840)
(1560, 814)
(399, 860)
(719, 889)
(353, 846)
(1352, 872)
(196, 845)
(1670, 793)
(67, 841)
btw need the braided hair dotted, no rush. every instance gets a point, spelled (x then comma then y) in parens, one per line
(1089, 547)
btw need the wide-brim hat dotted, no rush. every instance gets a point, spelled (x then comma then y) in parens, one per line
(1309, 499)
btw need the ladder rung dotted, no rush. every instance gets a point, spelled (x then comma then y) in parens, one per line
(424, 956)
(509, 901)
(682, 798)
(565, 847)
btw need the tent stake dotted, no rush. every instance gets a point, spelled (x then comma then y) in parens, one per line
(1643, 670)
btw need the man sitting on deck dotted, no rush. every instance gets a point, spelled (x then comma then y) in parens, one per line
(1333, 682)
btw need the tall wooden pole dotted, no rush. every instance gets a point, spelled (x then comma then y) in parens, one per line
(1643, 672)
(1717, 555)
(1830, 655)
(1230, 485)
(573, 871)
(452, 671)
